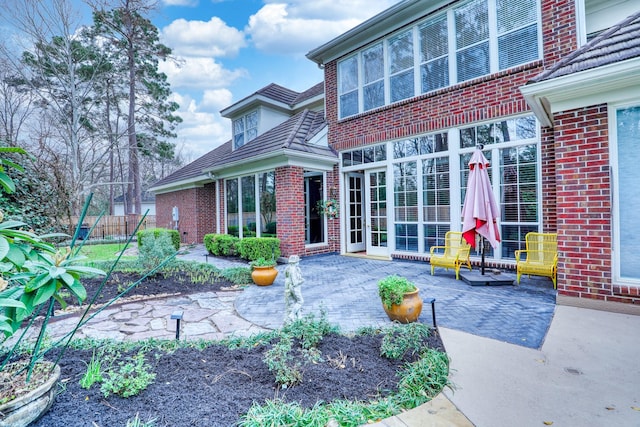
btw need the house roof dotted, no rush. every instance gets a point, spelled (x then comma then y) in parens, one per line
(605, 70)
(618, 43)
(292, 134)
(275, 95)
(194, 170)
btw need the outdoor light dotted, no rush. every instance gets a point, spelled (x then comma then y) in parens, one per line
(432, 301)
(178, 316)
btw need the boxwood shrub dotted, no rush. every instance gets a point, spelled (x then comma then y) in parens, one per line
(221, 244)
(252, 248)
(155, 232)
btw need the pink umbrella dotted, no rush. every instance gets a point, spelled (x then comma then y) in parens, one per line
(480, 210)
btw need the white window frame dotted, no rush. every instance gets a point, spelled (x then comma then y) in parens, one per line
(417, 63)
(244, 120)
(615, 191)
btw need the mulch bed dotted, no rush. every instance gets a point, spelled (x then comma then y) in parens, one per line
(216, 386)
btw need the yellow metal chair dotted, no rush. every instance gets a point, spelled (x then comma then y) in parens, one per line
(453, 254)
(541, 256)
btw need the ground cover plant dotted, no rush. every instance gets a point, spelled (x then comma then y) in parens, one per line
(306, 374)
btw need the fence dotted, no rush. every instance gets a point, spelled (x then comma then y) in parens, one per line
(113, 227)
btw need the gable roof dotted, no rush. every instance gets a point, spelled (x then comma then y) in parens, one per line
(618, 43)
(290, 138)
(292, 134)
(605, 70)
(276, 96)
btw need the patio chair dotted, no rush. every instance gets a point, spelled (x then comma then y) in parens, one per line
(540, 257)
(453, 254)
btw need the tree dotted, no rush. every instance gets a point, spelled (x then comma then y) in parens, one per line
(150, 113)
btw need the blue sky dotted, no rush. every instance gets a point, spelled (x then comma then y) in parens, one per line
(228, 49)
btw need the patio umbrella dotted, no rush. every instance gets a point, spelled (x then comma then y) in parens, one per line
(480, 210)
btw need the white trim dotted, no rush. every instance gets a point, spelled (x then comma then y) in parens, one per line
(609, 83)
(186, 184)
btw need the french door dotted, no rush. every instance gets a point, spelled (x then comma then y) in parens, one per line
(376, 212)
(355, 220)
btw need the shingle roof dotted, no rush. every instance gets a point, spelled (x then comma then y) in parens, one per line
(195, 168)
(291, 134)
(618, 43)
(313, 91)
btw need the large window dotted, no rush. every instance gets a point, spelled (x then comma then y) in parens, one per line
(627, 206)
(246, 217)
(430, 175)
(469, 40)
(245, 129)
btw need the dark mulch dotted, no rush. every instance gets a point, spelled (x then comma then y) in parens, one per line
(215, 386)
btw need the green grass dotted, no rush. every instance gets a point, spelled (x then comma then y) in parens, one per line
(104, 252)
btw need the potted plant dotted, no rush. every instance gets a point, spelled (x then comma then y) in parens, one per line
(400, 299)
(264, 271)
(34, 275)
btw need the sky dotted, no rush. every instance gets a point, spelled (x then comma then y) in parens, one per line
(228, 49)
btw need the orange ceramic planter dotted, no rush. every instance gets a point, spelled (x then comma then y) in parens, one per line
(408, 311)
(264, 276)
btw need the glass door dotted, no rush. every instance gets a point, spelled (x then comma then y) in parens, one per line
(355, 212)
(376, 213)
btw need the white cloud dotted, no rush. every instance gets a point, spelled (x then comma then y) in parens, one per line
(199, 73)
(200, 131)
(200, 38)
(216, 100)
(296, 27)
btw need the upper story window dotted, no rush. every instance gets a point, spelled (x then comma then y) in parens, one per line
(469, 40)
(245, 129)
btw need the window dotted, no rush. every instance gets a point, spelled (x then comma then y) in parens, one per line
(257, 219)
(314, 220)
(517, 167)
(401, 66)
(370, 154)
(373, 69)
(517, 32)
(434, 49)
(405, 189)
(245, 129)
(627, 157)
(467, 41)
(348, 86)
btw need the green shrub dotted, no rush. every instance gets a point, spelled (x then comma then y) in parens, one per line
(399, 340)
(221, 244)
(252, 248)
(174, 235)
(237, 275)
(155, 249)
(129, 378)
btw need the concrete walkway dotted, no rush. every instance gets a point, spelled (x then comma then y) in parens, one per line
(517, 359)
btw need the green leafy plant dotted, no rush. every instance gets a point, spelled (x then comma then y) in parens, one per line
(309, 330)
(174, 235)
(93, 374)
(392, 289)
(137, 422)
(155, 249)
(281, 362)
(221, 244)
(129, 378)
(263, 262)
(237, 275)
(399, 339)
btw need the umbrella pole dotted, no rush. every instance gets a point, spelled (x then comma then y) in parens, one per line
(482, 255)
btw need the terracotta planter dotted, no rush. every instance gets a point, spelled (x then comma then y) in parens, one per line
(26, 409)
(264, 276)
(408, 311)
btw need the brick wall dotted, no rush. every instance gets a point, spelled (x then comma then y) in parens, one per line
(584, 207)
(197, 212)
(290, 210)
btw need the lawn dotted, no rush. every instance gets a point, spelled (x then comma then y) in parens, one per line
(106, 251)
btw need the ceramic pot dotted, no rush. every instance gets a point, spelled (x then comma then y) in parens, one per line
(26, 409)
(264, 276)
(408, 311)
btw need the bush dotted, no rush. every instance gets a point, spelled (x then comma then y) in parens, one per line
(155, 249)
(155, 232)
(221, 244)
(253, 248)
